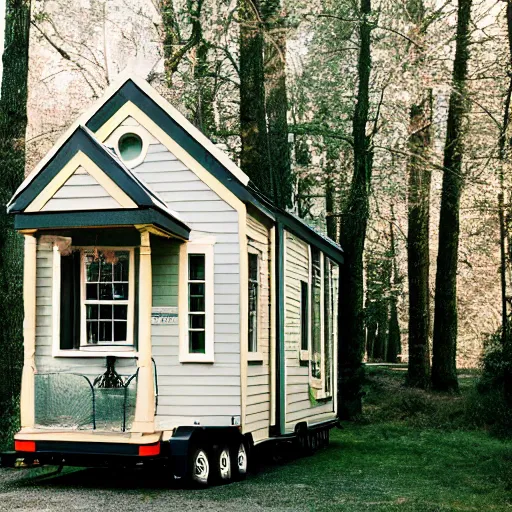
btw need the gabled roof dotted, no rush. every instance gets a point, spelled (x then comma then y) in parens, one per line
(82, 140)
(129, 89)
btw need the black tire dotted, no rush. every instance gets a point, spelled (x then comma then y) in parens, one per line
(221, 464)
(240, 460)
(313, 441)
(199, 467)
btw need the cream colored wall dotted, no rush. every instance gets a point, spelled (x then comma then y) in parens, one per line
(298, 405)
(257, 412)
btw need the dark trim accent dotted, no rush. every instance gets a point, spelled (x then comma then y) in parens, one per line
(256, 362)
(280, 349)
(82, 140)
(101, 218)
(130, 92)
(299, 228)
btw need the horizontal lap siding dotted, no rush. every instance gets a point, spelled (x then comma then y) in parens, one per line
(45, 362)
(298, 405)
(81, 192)
(257, 412)
(204, 393)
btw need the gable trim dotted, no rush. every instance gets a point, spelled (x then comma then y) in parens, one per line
(79, 160)
(179, 131)
(129, 109)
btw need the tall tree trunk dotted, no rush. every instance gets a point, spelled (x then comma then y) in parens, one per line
(444, 370)
(254, 157)
(13, 123)
(506, 330)
(204, 117)
(276, 104)
(330, 214)
(352, 237)
(394, 341)
(381, 339)
(174, 48)
(418, 249)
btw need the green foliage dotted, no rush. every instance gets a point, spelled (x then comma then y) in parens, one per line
(487, 405)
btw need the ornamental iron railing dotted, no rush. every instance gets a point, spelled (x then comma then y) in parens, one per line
(68, 401)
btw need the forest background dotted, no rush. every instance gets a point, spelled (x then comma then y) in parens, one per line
(367, 119)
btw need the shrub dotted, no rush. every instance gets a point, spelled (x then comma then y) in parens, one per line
(486, 403)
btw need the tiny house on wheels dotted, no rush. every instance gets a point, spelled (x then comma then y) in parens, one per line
(172, 313)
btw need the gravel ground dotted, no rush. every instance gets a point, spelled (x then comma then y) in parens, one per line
(91, 490)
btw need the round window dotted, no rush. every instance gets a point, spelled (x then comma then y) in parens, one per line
(130, 146)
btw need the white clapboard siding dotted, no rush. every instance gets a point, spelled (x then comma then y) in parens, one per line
(81, 192)
(298, 405)
(257, 411)
(188, 392)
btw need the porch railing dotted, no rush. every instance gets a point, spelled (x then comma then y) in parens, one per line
(69, 401)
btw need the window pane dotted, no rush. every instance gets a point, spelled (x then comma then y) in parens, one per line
(93, 271)
(253, 297)
(316, 341)
(92, 332)
(121, 268)
(91, 292)
(196, 294)
(120, 291)
(119, 331)
(196, 342)
(106, 312)
(196, 321)
(105, 333)
(196, 267)
(105, 271)
(120, 312)
(130, 146)
(304, 316)
(91, 312)
(105, 292)
(253, 332)
(253, 267)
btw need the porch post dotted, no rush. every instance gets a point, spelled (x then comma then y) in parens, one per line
(145, 404)
(27, 399)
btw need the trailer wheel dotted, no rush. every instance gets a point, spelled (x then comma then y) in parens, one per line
(222, 464)
(240, 460)
(199, 467)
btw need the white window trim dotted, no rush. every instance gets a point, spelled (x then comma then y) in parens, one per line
(316, 384)
(256, 355)
(91, 350)
(119, 132)
(304, 354)
(200, 246)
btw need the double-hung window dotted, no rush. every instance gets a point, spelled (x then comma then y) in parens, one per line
(254, 293)
(107, 297)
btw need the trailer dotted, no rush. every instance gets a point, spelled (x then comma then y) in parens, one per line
(173, 314)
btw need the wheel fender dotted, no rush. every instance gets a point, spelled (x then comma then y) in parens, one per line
(180, 445)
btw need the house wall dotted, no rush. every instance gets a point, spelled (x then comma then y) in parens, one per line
(257, 412)
(190, 392)
(299, 407)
